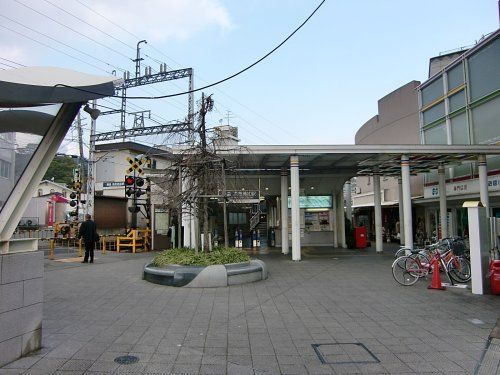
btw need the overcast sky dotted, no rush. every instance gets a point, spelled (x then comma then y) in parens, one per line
(318, 88)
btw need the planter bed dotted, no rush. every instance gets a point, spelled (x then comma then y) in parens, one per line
(206, 276)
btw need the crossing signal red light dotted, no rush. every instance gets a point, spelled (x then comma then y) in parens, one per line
(129, 180)
(139, 181)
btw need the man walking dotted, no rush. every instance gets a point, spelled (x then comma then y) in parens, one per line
(88, 230)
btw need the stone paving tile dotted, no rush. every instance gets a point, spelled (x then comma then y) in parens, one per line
(261, 328)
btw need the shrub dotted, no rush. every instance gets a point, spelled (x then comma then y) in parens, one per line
(188, 257)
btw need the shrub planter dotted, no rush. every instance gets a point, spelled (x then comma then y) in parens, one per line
(206, 276)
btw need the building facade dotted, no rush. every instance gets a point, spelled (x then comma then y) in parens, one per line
(460, 105)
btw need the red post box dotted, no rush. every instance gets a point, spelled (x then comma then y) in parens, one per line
(495, 276)
(360, 236)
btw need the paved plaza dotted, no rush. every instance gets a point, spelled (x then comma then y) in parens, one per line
(335, 306)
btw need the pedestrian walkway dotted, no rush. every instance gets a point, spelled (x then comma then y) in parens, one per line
(335, 312)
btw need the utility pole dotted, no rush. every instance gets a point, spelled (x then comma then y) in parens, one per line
(89, 202)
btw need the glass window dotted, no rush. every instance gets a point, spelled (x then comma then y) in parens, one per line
(237, 218)
(484, 70)
(455, 76)
(4, 169)
(431, 177)
(462, 170)
(493, 162)
(433, 113)
(486, 122)
(436, 135)
(457, 101)
(460, 130)
(432, 92)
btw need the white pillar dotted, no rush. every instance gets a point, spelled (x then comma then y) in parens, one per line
(341, 219)
(408, 221)
(348, 200)
(295, 184)
(479, 243)
(335, 220)
(401, 214)
(483, 183)
(443, 209)
(377, 203)
(284, 211)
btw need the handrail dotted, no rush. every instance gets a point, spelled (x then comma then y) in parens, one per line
(255, 220)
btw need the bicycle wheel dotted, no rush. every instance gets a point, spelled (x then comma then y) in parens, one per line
(459, 269)
(401, 252)
(405, 270)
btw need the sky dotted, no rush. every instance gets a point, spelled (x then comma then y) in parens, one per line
(318, 88)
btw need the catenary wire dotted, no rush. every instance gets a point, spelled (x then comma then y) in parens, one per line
(89, 24)
(222, 80)
(64, 44)
(179, 64)
(53, 48)
(75, 31)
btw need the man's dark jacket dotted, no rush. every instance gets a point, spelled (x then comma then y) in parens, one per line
(88, 230)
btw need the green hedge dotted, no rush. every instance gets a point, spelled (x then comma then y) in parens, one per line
(187, 257)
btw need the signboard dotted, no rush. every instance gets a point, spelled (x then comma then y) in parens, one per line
(462, 187)
(242, 196)
(313, 201)
(112, 184)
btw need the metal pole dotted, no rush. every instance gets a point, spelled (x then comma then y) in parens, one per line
(408, 221)
(401, 214)
(295, 182)
(284, 211)
(377, 202)
(442, 203)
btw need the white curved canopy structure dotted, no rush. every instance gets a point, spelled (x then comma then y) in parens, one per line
(41, 101)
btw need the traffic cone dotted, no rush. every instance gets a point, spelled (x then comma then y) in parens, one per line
(436, 277)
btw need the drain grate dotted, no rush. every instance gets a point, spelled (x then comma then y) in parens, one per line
(344, 353)
(126, 359)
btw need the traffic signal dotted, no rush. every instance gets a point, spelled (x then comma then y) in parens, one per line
(134, 208)
(73, 202)
(129, 186)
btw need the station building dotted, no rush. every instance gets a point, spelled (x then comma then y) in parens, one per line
(457, 105)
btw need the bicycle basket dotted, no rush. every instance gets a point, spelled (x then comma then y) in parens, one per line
(458, 247)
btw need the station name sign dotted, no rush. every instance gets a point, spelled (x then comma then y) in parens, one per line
(111, 184)
(242, 196)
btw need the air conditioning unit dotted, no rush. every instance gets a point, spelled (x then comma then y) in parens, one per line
(357, 190)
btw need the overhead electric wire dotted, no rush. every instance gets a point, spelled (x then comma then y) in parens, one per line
(178, 63)
(224, 79)
(89, 24)
(13, 62)
(75, 31)
(64, 44)
(53, 48)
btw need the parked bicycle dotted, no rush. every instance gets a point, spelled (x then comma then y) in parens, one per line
(407, 269)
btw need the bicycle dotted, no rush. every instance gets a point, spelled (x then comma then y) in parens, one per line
(408, 269)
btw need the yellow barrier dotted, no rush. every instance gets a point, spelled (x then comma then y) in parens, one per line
(51, 253)
(80, 248)
(137, 238)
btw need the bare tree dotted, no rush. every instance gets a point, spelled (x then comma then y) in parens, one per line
(196, 174)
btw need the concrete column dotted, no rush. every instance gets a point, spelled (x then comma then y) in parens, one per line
(483, 183)
(443, 209)
(401, 215)
(377, 203)
(341, 219)
(348, 200)
(284, 211)
(479, 245)
(295, 184)
(408, 221)
(335, 220)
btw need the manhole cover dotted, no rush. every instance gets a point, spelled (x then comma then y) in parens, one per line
(344, 352)
(126, 359)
